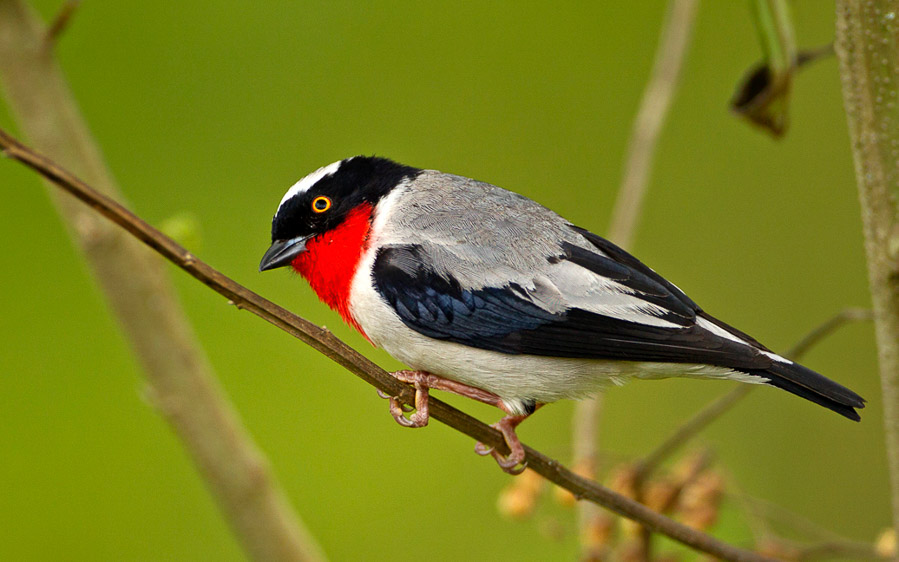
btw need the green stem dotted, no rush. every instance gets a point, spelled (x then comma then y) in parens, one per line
(775, 28)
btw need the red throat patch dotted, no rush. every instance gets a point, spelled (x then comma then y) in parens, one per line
(331, 259)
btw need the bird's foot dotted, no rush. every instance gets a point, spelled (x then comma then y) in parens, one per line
(421, 415)
(423, 381)
(514, 462)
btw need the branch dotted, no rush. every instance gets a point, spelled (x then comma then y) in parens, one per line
(677, 28)
(332, 347)
(869, 64)
(175, 368)
(722, 404)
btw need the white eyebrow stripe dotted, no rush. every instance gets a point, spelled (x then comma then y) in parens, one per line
(304, 184)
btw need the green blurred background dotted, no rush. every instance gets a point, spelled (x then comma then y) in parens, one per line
(215, 108)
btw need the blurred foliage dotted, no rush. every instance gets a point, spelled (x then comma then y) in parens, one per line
(215, 108)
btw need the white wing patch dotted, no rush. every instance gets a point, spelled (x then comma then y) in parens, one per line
(570, 286)
(777, 357)
(718, 331)
(304, 184)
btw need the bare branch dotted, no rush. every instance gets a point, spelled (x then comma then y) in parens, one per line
(725, 402)
(829, 326)
(772, 513)
(838, 549)
(691, 428)
(826, 545)
(654, 107)
(329, 345)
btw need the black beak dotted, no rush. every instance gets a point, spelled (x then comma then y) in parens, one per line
(282, 253)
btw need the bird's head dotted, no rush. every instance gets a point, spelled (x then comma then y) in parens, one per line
(322, 201)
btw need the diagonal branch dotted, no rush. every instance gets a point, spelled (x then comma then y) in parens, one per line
(329, 345)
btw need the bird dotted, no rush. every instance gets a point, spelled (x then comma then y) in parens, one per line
(485, 293)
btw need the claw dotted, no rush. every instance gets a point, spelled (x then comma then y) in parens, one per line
(511, 464)
(514, 462)
(481, 449)
(399, 409)
(406, 407)
(396, 410)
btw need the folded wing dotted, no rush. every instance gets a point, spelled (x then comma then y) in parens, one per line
(586, 303)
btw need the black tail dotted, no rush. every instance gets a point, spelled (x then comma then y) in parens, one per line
(808, 384)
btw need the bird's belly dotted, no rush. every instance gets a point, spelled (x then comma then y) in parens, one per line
(523, 378)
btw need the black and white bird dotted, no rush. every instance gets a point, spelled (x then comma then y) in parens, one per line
(485, 293)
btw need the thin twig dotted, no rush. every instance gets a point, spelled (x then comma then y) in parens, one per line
(61, 21)
(689, 429)
(657, 97)
(332, 347)
(837, 549)
(829, 544)
(725, 402)
(772, 512)
(674, 39)
(821, 331)
(819, 543)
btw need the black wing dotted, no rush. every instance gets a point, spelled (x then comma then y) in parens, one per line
(505, 319)
(625, 259)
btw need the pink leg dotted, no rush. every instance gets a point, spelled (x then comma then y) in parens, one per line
(514, 463)
(424, 381)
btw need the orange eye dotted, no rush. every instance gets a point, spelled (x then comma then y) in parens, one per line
(321, 204)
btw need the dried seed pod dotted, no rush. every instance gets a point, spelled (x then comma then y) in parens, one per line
(659, 495)
(700, 500)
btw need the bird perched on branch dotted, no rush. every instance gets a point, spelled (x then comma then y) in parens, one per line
(485, 293)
